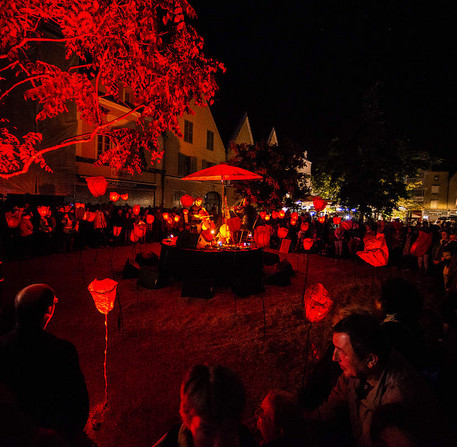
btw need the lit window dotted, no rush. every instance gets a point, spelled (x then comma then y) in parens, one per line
(210, 140)
(188, 131)
(434, 204)
(103, 144)
(436, 178)
(435, 189)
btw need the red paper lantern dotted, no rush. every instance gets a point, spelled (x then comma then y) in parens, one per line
(308, 243)
(187, 200)
(42, 210)
(185, 211)
(139, 229)
(262, 236)
(376, 252)
(124, 197)
(294, 216)
(177, 218)
(337, 220)
(103, 293)
(79, 205)
(89, 216)
(282, 232)
(317, 303)
(97, 185)
(170, 221)
(234, 224)
(321, 219)
(149, 219)
(136, 209)
(67, 208)
(319, 204)
(165, 216)
(208, 235)
(304, 227)
(281, 214)
(12, 220)
(114, 196)
(224, 231)
(263, 214)
(293, 221)
(117, 231)
(347, 224)
(133, 237)
(267, 217)
(421, 244)
(274, 215)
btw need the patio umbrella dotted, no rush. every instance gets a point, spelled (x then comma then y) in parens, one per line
(220, 173)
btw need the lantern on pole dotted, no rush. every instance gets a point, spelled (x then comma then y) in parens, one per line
(308, 243)
(117, 231)
(262, 236)
(104, 294)
(337, 220)
(267, 218)
(139, 229)
(42, 210)
(282, 232)
(294, 216)
(165, 216)
(319, 204)
(136, 209)
(347, 224)
(114, 196)
(317, 303)
(263, 214)
(304, 227)
(97, 185)
(177, 218)
(281, 214)
(124, 197)
(187, 201)
(321, 219)
(149, 219)
(376, 252)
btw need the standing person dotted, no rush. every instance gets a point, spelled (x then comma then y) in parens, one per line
(42, 371)
(212, 400)
(338, 241)
(26, 235)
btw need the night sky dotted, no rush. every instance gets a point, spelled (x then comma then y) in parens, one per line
(304, 66)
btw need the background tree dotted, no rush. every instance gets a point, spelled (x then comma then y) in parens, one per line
(147, 45)
(369, 163)
(280, 165)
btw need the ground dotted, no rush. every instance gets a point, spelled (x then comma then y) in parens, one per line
(164, 334)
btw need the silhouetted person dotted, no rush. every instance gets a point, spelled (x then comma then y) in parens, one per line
(41, 370)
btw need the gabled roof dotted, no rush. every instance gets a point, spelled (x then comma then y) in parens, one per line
(272, 138)
(242, 133)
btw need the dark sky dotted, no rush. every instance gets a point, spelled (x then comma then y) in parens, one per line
(303, 66)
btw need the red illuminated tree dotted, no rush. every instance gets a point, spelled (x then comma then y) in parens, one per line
(146, 45)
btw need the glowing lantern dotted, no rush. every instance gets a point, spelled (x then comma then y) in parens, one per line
(321, 219)
(293, 221)
(42, 210)
(282, 232)
(208, 224)
(139, 229)
(104, 294)
(67, 208)
(263, 214)
(307, 243)
(117, 231)
(165, 216)
(337, 220)
(224, 231)
(376, 252)
(234, 224)
(97, 185)
(317, 303)
(267, 217)
(281, 214)
(185, 212)
(294, 216)
(80, 205)
(208, 235)
(89, 216)
(149, 219)
(421, 244)
(262, 236)
(114, 196)
(177, 218)
(12, 220)
(124, 197)
(304, 227)
(274, 215)
(133, 237)
(347, 224)
(319, 204)
(136, 209)
(187, 200)
(170, 221)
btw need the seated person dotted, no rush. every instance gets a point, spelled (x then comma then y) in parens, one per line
(212, 400)
(279, 420)
(373, 374)
(42, 371)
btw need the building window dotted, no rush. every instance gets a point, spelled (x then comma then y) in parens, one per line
(435, 189)
(188, 131)
(103, 144)
(433, 204)
(186, 165)
(210, 140)
(207, 164)
(436, 178)
(126, 98)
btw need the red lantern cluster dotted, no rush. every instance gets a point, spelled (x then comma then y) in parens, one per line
(317, 303)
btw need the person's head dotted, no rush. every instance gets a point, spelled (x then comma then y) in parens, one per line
(34, 305)
(360, 346)
(212, 400)
(278, 416)
(198, 201)
(400, 297)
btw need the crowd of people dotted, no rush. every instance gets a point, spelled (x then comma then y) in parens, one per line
(386, 379)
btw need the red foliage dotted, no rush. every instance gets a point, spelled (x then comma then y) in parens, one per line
(147, 46)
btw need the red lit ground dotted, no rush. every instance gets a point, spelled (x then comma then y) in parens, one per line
(165, 334)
